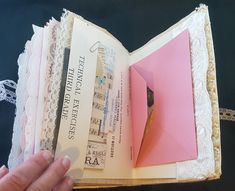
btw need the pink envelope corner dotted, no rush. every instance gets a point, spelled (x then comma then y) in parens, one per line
(172, 137)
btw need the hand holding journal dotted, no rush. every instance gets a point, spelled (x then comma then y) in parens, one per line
(146, 117)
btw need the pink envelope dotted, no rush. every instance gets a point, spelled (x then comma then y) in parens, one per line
(172, 135)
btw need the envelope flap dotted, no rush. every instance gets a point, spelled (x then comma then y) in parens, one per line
(156, 143)
(138, 110)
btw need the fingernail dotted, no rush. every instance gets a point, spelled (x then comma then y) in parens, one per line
(47, 156)
(66, 162)
(70, 182)
(3, 167)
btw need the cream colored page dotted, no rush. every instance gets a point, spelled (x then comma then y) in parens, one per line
(88, 41)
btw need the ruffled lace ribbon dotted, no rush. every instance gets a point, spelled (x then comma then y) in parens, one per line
(7, 91)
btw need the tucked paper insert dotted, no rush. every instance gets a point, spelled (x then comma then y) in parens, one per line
(172, 137)
(77, 102)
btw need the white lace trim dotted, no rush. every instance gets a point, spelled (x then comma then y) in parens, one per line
(32, 85)
(7, 91)
(48, 49)
(18, 139)
(63, 39)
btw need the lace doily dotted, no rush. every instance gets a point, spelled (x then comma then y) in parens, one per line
(204, 165)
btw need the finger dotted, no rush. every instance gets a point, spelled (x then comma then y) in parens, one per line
(22, 176)
(65, 185)
(3, 171)
(52, 176)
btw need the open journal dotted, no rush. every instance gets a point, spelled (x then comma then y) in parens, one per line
(146, 117)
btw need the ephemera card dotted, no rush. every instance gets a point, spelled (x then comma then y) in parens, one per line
(97, 99)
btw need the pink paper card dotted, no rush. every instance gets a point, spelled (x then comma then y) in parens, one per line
(172, 136)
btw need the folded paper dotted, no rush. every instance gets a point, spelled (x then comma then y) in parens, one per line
(172, 137)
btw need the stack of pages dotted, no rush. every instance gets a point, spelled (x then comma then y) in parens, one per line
(146, 117)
